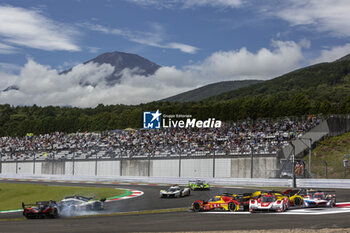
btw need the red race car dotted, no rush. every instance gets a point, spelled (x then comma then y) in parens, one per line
(41, 209)
(216, 203)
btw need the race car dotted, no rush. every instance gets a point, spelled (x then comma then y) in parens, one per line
(267, 202)
(198, 185)
(296, 197)
(41, 209)
(73, 204)
(242, 199)
(314, 198)
(216, 203)
(175, 191)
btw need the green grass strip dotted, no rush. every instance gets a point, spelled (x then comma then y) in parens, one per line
(13, 194)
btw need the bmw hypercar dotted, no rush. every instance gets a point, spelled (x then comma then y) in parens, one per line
(175, 191)
(314, 198)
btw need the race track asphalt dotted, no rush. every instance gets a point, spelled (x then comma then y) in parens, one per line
(172, 221)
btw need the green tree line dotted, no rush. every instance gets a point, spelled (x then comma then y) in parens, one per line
(17, 121)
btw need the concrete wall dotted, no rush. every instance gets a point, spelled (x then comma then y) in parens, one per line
(38, 168)
(53, 167)
(25, 168)
(8, 168)
(135, 167)
(165, 168)
(224, 167)
(108, 168)
(84, 168)
(197, 167)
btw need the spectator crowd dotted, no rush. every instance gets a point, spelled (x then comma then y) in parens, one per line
(264, 137)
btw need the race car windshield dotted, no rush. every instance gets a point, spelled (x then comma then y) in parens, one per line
(268, 199)
(319, 195)
(214, 199)
(172, 190)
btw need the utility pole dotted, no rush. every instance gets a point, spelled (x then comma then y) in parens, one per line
(251, 162)
(214, 163)
(293, 159)
(179, 163)
(310, 151)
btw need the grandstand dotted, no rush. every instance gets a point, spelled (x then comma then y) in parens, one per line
(231, 140)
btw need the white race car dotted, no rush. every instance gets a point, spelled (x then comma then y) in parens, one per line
(175, 191)
(72, 205)
(319, 199)
(268, 202)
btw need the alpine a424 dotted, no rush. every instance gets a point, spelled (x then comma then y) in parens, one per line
(175, 191)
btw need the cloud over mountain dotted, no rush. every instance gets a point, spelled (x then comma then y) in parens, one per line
(42, 85)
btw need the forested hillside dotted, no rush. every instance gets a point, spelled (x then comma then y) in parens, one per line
(322, 88)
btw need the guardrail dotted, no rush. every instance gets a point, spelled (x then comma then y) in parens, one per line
(159, 180)
(324, 183)
(301, 183)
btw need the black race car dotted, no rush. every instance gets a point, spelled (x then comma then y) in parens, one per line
(41, 209)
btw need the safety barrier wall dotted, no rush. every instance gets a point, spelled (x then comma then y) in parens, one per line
(189, 167)
(255, 182)
(324, 183)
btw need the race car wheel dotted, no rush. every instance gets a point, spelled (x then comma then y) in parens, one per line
(196, 206)
(332, 204)
(232, 206)
(97, 206)
(297, 201)
(54, 214)
(72, 210)
(283, 207)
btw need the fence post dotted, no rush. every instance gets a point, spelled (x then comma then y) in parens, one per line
(180, 164)
(251, 162)
(310, 148)
(149, 164)
(120, 164)
(294, 178)
(96, 162)
(53, 157)
(73, 165)
(34, 165)
(214, 163)
(16, 165)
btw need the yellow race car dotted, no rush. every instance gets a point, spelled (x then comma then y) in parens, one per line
(296, 198)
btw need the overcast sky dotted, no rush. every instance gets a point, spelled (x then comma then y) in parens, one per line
(195, 41)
